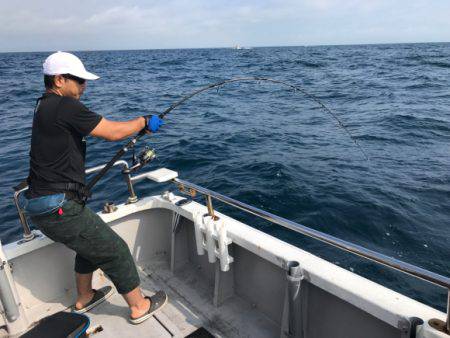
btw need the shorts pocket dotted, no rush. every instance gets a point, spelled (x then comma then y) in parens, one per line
(44, 205)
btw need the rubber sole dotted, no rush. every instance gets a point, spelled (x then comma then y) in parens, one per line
(91, 306)
(148, 315)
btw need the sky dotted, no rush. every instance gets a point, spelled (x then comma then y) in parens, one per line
(30, 25)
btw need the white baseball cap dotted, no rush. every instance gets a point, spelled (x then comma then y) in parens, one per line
(65, 63)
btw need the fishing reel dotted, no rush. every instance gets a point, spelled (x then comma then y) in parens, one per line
(145, 156)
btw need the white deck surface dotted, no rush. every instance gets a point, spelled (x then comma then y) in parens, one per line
(189, 307)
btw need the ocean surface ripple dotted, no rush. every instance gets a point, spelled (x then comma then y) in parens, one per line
(275, 149)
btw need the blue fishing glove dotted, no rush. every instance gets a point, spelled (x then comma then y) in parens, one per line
(153, 123)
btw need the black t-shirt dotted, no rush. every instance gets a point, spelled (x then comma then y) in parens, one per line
(58, 147)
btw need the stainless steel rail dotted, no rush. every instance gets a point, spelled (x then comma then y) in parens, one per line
(28, 235)
(391, 262)
(100, 167)
(132, 198)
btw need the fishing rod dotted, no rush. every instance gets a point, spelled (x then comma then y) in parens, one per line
(148, 154)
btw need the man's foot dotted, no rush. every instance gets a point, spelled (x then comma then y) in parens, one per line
(98, 297)
(83, 300)
(138, 311)
(155, 302)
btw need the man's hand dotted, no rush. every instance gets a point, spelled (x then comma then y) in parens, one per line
(153, 123)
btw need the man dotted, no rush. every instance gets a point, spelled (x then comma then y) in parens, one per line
(57, 180)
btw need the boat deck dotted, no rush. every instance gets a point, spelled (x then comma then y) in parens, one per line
(189, 308)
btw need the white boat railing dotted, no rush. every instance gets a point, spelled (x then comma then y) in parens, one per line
(356, 249)
(192, 189)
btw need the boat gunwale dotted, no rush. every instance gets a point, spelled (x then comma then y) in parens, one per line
(382, 302)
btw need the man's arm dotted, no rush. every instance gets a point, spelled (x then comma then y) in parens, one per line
(114, 131)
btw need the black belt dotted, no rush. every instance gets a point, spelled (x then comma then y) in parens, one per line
(73, 189)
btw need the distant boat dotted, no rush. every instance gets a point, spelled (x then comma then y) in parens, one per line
(240, 47)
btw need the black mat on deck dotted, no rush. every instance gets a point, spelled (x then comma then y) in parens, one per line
(60, 325)
(200, 333)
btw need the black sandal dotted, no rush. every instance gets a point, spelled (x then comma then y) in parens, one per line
(158, 300)
(100, 296)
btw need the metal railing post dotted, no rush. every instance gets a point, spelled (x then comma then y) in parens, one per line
(447, 322)
(133, 198)
(28, 235)
(209, 206)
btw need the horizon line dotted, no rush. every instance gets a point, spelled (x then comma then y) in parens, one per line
(231, 47)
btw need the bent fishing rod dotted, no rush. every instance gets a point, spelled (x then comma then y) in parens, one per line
(147, 155)
(266, 79)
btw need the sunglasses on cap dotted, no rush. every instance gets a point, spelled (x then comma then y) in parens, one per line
(77, 79)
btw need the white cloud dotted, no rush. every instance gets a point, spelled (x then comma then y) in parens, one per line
(116, 15)
(118, 24)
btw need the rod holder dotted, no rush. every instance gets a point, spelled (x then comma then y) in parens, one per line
(211, 236)
(199, 237)
(210, 241)
(223, 246)
(294, 277)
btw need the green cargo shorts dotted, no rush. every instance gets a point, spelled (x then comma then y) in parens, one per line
(95, 243)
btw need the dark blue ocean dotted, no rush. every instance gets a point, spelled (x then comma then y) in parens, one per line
(275, 149)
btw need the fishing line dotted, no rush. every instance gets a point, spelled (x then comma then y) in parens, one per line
(147, 158)
(265, 79)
